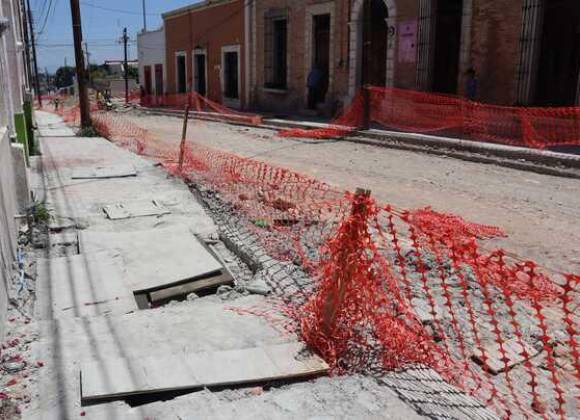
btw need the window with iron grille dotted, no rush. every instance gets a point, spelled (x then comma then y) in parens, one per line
(276, 51)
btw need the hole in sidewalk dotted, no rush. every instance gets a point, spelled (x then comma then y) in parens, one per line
(202, 286)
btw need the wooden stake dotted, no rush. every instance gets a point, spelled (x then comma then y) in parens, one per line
(183, 138)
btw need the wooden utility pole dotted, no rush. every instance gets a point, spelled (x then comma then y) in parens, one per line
(80, 64)
(47, 77)
(24, 18)
(88, 63)
(32, 39)
(126, 66)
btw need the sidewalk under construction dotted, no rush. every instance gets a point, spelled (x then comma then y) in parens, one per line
(142, 311)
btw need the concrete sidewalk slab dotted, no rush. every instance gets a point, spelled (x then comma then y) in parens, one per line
(114, 379)
(156, 258)
(82, 286)
(81, 201)
(104, 172)
(206, 326)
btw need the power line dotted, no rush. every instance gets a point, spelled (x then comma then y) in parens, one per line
(108, 9)
(48, 13)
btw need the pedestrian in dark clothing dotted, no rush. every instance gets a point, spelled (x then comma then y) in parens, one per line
(471, 84)
(314, 83)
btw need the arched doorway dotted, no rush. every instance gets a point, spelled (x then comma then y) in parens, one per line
(371, 43)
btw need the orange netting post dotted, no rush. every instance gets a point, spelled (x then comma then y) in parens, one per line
(321, 327)
(335, 299)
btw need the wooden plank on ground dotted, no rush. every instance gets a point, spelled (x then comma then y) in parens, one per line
(155, 259)
(82, 286)
(160, 296)
(138, 208)
(115, 379)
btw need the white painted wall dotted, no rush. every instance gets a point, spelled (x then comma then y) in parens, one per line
(12, 83)
(8, 209)
(151, 51)
(12, 76)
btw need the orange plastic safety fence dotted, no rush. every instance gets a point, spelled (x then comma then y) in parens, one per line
(199, 104)
(394, 288)
(422, 112)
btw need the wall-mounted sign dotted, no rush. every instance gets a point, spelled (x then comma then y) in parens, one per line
(408, 41)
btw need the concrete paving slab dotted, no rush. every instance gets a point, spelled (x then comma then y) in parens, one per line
(139, 208)
(82, 286)
(104, 172)
(113, 379)
(156, 258)
(82, 200)
(339, 397)
(205, 325)
(55, 131)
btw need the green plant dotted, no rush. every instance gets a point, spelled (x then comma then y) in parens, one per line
(41, 213)
(88, 132)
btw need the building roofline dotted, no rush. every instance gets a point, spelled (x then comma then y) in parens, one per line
(195, 7)
(152, 31)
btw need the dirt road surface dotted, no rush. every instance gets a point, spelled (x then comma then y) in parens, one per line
(540, 213)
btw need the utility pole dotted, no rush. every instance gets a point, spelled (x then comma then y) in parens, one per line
(144, 18)
(24, 15)
(32, 39)
(47, 77)
(80, 63)
(88, 63)
(126, 66)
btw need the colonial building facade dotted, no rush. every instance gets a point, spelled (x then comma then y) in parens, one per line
(205, 51)
(524, 52)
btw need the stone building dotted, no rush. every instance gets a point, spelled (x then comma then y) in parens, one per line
(259, 53)
(524, 52)
(205, 51)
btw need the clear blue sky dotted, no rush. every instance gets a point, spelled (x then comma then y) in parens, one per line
(103, 23)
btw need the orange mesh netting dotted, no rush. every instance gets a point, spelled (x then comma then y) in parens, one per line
(201, 105)
(373, 288)
(429, 113)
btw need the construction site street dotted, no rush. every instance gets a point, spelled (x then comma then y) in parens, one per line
(539, 213)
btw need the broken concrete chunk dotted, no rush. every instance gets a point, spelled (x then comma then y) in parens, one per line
(258, 285)
(131, 209)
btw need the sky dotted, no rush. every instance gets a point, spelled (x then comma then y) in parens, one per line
(103, 22)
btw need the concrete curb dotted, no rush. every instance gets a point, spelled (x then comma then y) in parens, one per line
(520, 158)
